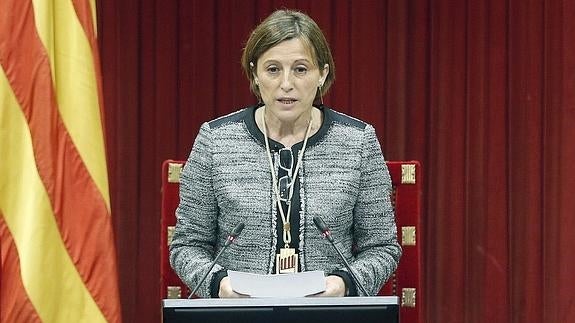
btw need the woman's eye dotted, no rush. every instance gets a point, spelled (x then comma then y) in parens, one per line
(273, 70)
(300, 70)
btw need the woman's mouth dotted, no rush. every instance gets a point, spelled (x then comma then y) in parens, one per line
(287, 101)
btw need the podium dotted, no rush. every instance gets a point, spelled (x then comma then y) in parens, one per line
(381, 309)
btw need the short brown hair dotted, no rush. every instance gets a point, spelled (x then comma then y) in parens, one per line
(284, 25)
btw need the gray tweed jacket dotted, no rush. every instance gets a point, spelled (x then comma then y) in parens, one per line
(227, 180)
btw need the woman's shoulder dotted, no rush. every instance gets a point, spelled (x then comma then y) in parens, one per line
(339, 118)
(238, 116)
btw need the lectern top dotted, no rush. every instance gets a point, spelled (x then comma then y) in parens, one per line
(299, 301)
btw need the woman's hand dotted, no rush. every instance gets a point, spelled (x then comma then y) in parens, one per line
(334, 287)
(226, 290)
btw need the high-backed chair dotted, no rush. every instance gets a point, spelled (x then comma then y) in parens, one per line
(406, 282)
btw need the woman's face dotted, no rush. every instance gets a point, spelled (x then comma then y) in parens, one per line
(288, 79)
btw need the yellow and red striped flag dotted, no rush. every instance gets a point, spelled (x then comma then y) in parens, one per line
(57, 245)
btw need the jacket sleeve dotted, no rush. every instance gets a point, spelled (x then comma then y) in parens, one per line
(375, 232)
(194, 242)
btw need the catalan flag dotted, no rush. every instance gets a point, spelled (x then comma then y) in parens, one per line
(57, 245)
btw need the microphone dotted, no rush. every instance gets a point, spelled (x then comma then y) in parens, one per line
(326, 233)
(230, 239)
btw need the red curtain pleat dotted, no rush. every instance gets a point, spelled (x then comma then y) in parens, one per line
(481, 92)
(558, 204)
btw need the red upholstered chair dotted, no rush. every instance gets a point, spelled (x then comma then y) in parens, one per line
(406, 282)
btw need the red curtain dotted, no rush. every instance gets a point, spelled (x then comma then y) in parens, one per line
(482, 92)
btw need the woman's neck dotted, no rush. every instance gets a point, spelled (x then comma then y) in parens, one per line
(289, 132)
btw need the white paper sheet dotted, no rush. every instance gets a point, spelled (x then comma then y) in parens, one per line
(282, 285)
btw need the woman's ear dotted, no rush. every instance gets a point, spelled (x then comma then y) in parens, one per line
(324, 73)
(253, 69)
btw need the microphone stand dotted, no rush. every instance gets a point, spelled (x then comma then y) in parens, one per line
(231, 238)
(320, 224)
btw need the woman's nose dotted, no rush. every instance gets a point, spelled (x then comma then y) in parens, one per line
(287, 82)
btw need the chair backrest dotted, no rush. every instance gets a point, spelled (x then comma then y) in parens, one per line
(406, 282)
